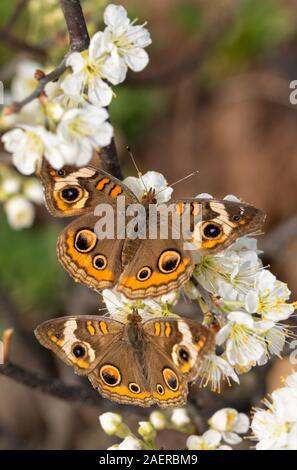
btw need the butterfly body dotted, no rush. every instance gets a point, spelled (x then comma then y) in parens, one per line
(134, 363)
(141, 266)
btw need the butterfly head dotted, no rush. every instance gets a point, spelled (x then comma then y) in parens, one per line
(149, 197)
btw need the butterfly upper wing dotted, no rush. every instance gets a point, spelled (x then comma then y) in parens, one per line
(73, 191)
(216, 224)
(185, 342)
(94, 335)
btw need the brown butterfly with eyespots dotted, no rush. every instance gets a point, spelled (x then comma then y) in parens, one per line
(138, 268)
(134, 363)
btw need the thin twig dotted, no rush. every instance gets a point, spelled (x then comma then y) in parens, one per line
(16, 106)
(7, 336)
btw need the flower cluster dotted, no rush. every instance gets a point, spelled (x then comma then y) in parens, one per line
(249, 303)
(224, 426)
(18, 195)
(68, 123)
(245, 299)
(113, 425)
(275, 428)
(112, 51)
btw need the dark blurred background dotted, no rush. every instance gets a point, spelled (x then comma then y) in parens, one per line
(215, 97)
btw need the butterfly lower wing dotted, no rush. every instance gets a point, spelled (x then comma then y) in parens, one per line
(89, 260)
(119, 377)
(216, 224)
(178, 347)
(168, 387)
(158, 267)
(80, 341)
(73, 191)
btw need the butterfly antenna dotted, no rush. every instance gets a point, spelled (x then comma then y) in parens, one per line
(179, 181)
(139, 174)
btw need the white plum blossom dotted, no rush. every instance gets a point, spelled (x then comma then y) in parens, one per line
(119, 306)
(158, 420)
(230, 424)
(81, 131)
(26, 147)
(20, 212)
(180, 417)
(210, 440)
(214, 370)
(87, 79)
(28, 144)
(229, 274)
(269, 297)
(150, 180)
(24, 83)
(125, 43)
(275, 428)
(225, 426)
(18, 193)
(110, 422)
(129, 443)
(146, 430)
(244, 345)
(33, 190)
(10, 185)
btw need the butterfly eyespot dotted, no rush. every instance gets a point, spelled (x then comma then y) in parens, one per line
(79, 351)
(134, 388)
(85, 241)
(160, 389)
(61, 172)
(211, 230)
(144, 273)
(110, 375)
(100, 262)
(71, 194)
(170, 378)
(169, 261)
(184, 354)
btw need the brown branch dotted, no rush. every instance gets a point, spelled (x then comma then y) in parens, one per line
(78, 394)
(76, 25)
(109, 157)
(51, 386)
